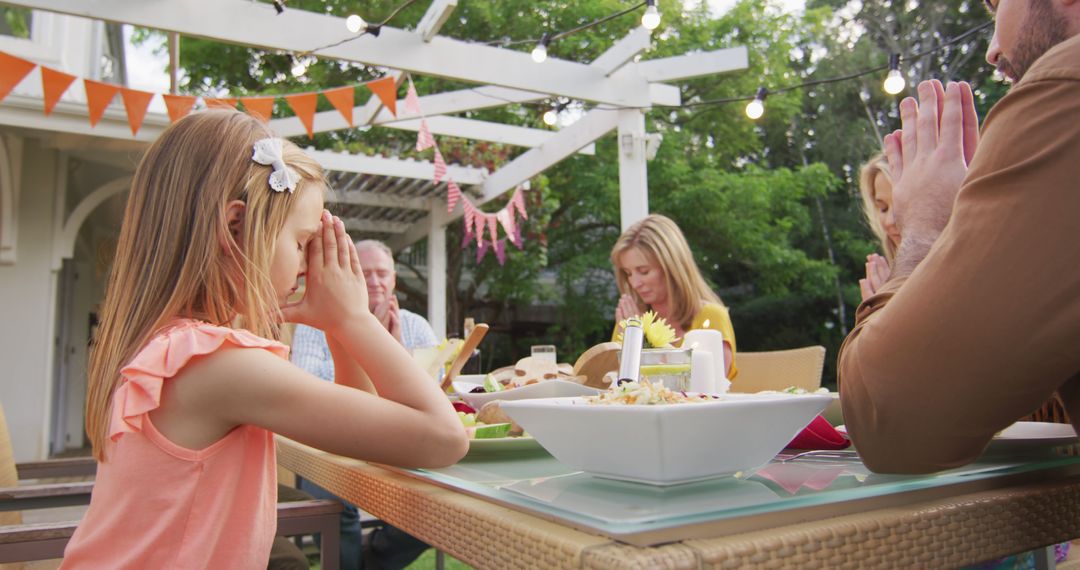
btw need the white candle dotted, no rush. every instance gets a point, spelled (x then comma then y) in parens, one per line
(712, 341)
(702, 373)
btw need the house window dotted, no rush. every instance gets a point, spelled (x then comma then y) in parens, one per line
(15, 22)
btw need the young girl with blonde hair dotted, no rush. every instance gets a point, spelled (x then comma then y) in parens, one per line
(186, 383)
(655, 270)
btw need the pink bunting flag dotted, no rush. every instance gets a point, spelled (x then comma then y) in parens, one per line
(493, 227)
(506, 220)
(517, 238)
(480, 220)
(440, 166)
(469, 212)
(412, 101)
(453, 194)
(518, 202)
(424, 139)
(481, 251)
(467, 237)
(500, 251)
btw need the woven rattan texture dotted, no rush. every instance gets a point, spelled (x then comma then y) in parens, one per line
(500, 538)
(779, 369)
(941, 534)
(937, 534)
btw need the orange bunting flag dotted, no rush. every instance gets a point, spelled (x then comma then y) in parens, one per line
(303, 104)
(53, 85)
(135, 103)
(412, 101)
(98, 97)
(440, 166)
(178, 105)
(342, 100)
(12, 71)
(453, 194)
(386, 90)
(262, 108)
(220, 102)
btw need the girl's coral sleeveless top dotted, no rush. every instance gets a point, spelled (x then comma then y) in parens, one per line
(158, 505)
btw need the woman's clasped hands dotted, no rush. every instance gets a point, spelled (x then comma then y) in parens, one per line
(335, 292)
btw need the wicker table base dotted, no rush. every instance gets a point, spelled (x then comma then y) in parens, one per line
(940, 533)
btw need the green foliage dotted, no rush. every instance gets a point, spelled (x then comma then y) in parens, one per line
(15, 22)
(771, 208)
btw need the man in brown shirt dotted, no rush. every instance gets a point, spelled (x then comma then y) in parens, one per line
(980, 322)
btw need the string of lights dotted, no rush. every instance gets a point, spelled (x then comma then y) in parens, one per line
(359, 27)
(893, 84)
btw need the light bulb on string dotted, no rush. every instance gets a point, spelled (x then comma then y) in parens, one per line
(650, 20)
(355, 24)
(756, 108)
(299, 67)
(551, 117)
(894, 82)
(539, 53)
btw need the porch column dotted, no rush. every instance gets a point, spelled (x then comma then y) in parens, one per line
(436, 262)
(633, 175)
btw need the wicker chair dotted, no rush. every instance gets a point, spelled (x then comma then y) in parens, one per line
(43, 541)
(779, 369)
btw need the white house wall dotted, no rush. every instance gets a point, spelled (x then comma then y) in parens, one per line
(27, 306)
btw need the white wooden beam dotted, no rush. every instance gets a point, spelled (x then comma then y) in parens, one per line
(587, 129)
(590, 127)
(434, 18)
(623, 51)
(379, 200)
(375, 226)
(436, 268)
(67, 117)
(484, 131)
(345, 162)
(693, 64)
(439, 104)
(633, 172)
(257, 24)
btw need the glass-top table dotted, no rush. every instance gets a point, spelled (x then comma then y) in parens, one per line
(511, 508)
(644, 515)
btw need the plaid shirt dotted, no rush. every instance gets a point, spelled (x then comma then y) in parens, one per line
(310, 351)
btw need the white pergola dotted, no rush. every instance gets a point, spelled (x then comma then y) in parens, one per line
(395, 198)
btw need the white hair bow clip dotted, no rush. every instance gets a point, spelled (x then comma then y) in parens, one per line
(269, 152)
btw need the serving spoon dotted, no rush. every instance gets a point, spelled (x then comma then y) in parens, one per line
(471, 342)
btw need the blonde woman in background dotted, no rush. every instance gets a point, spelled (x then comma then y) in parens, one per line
(875, 185)
(655, 271)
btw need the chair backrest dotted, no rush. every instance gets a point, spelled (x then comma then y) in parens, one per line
(9, 477)
(779, 369)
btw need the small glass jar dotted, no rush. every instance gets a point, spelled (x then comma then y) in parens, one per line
(667, 366)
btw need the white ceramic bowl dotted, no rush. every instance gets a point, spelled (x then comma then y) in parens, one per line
(667, 444)
(545, 389)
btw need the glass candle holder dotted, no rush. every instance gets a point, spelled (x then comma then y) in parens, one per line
(667, 366)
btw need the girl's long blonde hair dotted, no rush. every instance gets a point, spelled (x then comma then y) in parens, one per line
(176, 256)
(661, 240)
(876, 165)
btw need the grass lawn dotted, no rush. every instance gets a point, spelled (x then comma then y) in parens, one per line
(427, 562)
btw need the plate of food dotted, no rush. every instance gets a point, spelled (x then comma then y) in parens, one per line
(493, 433)
(528, 379)
(647, 433)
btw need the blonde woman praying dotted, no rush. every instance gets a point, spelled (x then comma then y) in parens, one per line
(655, 271)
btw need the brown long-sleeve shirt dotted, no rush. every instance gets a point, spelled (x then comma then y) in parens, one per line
(987, 327)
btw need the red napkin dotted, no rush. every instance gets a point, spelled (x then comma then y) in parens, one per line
(463, 407)
(819, 435)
